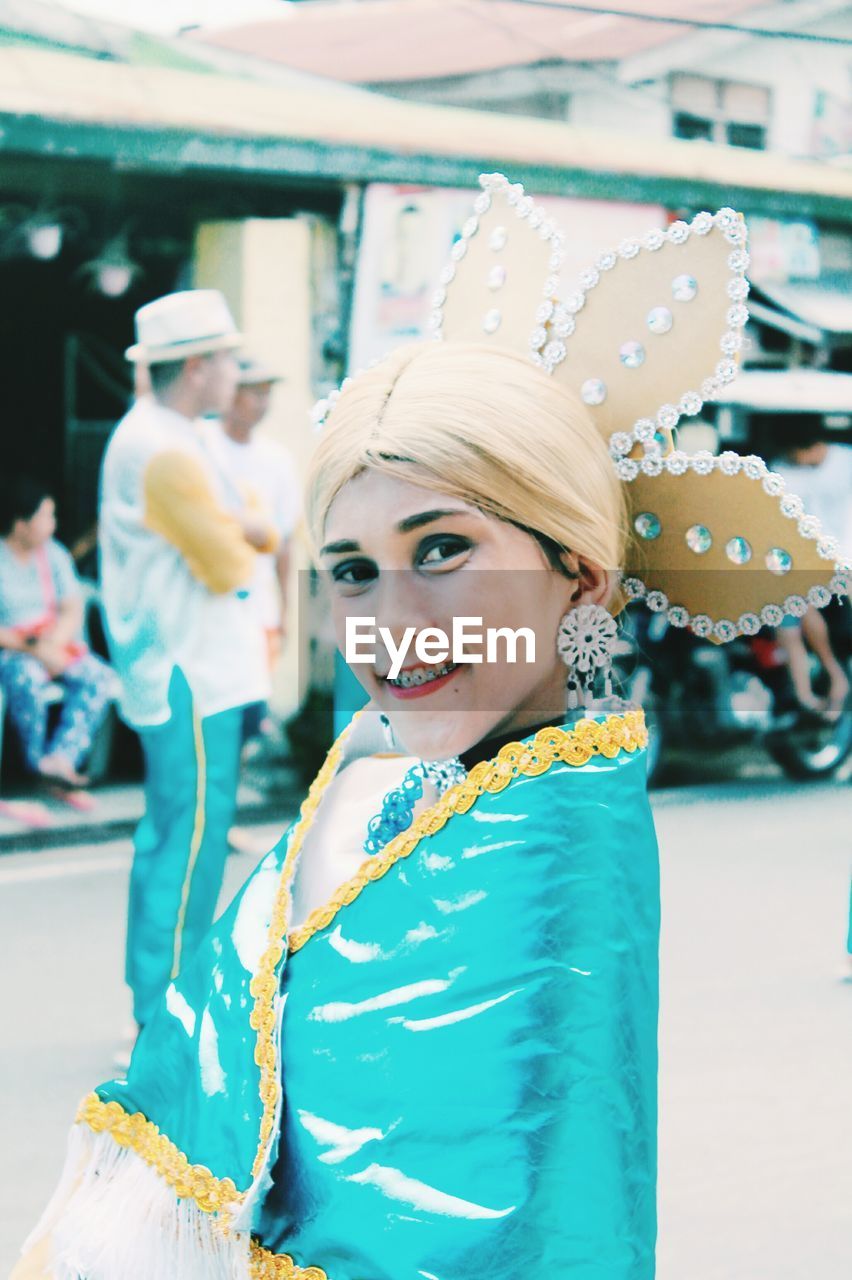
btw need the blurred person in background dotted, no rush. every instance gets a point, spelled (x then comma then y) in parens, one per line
(177, 565)
(259, 476)
(820, 473)
(141, 380)
(41, 638)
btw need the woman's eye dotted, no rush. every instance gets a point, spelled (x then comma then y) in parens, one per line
(440, 549)
(354, 573)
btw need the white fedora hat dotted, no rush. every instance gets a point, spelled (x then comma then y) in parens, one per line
(192, 323)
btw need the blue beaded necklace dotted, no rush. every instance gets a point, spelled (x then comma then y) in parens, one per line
(398, 805)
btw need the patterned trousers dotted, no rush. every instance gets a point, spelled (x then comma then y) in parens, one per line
(88, 687)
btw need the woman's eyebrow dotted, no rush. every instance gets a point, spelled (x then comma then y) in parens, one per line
(428, 517)
(334, 548)
(405, 526)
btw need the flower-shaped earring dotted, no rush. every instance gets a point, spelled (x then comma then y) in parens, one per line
(585, 642)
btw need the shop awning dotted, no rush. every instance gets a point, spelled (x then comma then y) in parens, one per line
(790, 391)
(814, 310)
(167, 120)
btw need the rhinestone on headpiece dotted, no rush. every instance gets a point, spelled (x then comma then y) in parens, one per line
(684, 288)
(660, 320)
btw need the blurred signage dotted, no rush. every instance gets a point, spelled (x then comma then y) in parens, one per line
(406, 236)
(782, 251)
(831, 130)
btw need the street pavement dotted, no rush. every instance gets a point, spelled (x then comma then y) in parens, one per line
(756, 1025)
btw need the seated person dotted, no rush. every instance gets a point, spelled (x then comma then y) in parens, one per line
(820, 473)
(41, 621)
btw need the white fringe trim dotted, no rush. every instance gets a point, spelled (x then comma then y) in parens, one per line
(113, 1217)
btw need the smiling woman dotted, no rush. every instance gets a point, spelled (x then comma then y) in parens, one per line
(421, 1043)
(428, 506)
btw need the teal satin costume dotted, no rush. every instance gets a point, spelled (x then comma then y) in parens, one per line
(181, 844)
(450, 1072)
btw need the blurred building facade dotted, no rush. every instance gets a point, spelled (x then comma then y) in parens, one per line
(733, 72)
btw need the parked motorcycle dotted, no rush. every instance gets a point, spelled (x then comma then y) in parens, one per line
(697, 694)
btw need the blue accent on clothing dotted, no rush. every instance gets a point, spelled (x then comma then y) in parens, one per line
(470, 1050)
(87, 686)
(396, 811)
(349, 695)
(182, 841)
(467, 1050)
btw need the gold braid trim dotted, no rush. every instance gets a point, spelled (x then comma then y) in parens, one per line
(574, 746)
(264, 984)
(189, 1181)
(279, 1266)
(196, 1181)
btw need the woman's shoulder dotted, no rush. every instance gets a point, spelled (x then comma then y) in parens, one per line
(58, 554)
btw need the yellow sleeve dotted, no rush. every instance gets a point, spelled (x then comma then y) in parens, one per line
(181, 506)
(35, 1265)
(255, 505)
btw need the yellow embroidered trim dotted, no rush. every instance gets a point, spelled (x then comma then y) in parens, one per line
(190, 1181)
(574, 746)
(279, 1266)
(197, 835)
(264, 984)
(197, 1182)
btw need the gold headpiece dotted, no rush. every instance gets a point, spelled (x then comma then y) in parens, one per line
(652, 330)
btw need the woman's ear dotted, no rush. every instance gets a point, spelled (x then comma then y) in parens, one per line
(594, 585)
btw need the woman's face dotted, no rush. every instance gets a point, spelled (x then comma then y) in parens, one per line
(408, 557)
(41, 526)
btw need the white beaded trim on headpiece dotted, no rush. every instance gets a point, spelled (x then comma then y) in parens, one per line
(704, 463)
(546, 350)
(644, 430)
(555, 318)
(555, 323)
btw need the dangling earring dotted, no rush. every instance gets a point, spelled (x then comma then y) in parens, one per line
(585, 642)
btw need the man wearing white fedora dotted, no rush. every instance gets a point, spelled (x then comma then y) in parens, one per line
(176, 566)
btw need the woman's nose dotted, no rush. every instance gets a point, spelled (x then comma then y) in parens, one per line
(403, 601)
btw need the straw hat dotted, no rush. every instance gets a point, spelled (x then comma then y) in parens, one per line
(191, 323)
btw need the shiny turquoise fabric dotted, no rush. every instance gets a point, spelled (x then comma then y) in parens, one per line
(163, 843)
(193, 1071)
(468, 1049)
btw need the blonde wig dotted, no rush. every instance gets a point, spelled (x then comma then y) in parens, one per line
(485, 426)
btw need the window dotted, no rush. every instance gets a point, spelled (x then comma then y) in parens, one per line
(689, 126)
(746, 135)
(722, 111)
